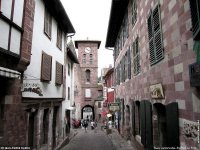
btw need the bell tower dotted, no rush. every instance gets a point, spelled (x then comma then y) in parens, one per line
(88, 60)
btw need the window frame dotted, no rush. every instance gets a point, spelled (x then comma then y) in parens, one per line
(59, 38)
(84, 59)
(46, 73)
(136, 57)
(69, 94)
(69, 69)
(91, 59)
(59, 74)
(87, 75)
(47, 23)
(156, 47)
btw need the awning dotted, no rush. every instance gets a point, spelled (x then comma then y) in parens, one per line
(9, 73)
(71, 108)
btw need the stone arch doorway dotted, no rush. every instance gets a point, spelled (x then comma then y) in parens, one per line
(88, 110)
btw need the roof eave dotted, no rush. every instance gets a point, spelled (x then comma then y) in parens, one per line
(57, 10)
(117, 12)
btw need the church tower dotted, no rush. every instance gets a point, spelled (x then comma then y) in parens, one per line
(88, 60)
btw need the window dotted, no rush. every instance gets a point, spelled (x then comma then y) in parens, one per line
(59, 38)
(99, 104)
(91, 59)
(68, 93)
(87, 75)
(137, 118)
(134, 12)
(47, 23)
(59, 73)
(69, 69)
(126, 65)
(123, 67)
(136, 57)
(87, 93)
(129, 63)
(155, 36)
(84, 59)
(195, 7)
(46, 67)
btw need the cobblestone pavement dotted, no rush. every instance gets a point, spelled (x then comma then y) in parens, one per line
(97, 140)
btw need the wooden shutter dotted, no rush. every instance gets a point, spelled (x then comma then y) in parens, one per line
(143, 123)
(136, 58)
(155, 36)
(195, 7)
(146, 124)
(133, 118)
(172, 125)
(46, 67)
(149, 132)
(129, 63)
(59, 73)
(134, 12)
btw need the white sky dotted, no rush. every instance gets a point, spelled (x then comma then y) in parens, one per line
(90, 19)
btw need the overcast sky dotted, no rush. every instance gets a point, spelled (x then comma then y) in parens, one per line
(90, 20)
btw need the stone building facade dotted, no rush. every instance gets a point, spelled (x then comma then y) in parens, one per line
(16, 27)
(154, 43)
(87, 73)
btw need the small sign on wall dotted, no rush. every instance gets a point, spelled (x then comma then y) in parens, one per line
(33, 88)
(156, 91)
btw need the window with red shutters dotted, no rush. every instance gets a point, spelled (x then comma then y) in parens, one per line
(59, 73)
(46, 67)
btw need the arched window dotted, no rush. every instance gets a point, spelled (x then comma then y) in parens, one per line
(91, 59)
(84, 59)
(87, 75)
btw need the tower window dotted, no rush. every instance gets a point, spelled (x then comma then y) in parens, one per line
(84, 59)
(91, 59)
(87, 75)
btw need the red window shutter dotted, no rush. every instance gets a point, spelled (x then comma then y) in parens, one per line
(46, 67)
(59, 73)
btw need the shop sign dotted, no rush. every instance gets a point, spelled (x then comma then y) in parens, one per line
(114, 106)
(33, 88)
(156, 91)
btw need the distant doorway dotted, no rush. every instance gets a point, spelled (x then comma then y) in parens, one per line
(87, 112)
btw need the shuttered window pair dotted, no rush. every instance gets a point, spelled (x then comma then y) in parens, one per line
(136, 57)
(195, 12)
(46, 69)
(155, 36)
(47, 23)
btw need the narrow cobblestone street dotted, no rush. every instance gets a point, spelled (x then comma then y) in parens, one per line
(97, 140)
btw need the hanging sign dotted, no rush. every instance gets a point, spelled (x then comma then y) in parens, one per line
(33, 88)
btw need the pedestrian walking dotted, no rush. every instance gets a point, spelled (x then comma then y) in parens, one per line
(85, 125)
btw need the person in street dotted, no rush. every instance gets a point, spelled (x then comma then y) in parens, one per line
(110, 124)
(92, 124)
(85, 125)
